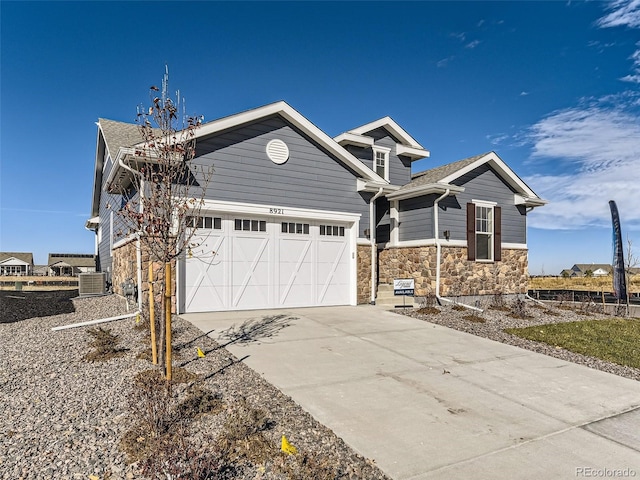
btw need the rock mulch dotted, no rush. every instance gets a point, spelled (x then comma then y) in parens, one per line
(64, 417)
(496, 321)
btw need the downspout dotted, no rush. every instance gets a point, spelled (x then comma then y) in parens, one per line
(439, 253)
(138, 243)
(374, 246)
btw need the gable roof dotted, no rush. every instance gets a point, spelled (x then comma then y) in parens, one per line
(26, 257)
(438, 180)
(72, 259)
(112, 136)
(406, 145)
(126, 154)
(583, 267)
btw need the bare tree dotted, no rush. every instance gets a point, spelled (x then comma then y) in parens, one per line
(166, 194)
(631, 260)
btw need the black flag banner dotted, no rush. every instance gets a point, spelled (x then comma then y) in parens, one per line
(619, 278)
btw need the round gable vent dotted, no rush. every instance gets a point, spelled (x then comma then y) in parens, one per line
(277, 151)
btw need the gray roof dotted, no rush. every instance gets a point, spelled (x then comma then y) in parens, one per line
(73, 259)
(119, 134)
(24, 256)
(436, 174)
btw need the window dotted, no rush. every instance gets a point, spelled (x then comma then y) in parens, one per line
(484, 232)
(331, 230)
(214, 223)
(381, 161)
(296, 228)
(247, 225)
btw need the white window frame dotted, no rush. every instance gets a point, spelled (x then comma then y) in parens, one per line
(385, 157)
(489, 207)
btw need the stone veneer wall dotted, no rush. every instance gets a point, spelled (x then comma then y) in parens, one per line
(124, 265)
(458, 276)
(364, 274)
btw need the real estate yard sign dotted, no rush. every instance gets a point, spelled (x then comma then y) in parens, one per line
(404, 286)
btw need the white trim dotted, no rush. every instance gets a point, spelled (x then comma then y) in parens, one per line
(111, 231)
(431, 242)
(348, 138)
(394, 214)
(484, 203)
(364, 186)
(392, 127)
(128, 239)
(289, 113)
(505, 172)
(385, 151)
(363, 241)
(425, 190)
(278, 211)
(411, 152)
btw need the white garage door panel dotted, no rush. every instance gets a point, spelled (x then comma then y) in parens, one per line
(333, 273)
(203, 265)
(251, 271)
(242, 270)
(295, 272)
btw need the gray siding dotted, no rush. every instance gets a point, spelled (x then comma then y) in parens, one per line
(416, 214)
(399, 167)
(483, 183)
(311, 178)
(109, 203)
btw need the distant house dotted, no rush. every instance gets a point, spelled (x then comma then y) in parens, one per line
(16, 263)
(567, 273)
(71, 264)
(596, 269)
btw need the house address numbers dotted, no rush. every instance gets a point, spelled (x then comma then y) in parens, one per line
(276, 211)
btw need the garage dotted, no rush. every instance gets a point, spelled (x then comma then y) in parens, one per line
(243, 261)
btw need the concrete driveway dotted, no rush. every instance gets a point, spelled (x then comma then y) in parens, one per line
(428, 402)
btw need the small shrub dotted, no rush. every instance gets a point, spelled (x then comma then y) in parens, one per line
(519, 309)
(428, 311)
(458, 308)
(242, 438)
(474, 318)
(498, 302)
(105, 345)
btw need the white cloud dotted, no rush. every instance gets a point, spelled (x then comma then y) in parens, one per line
(523, 93)
(472, 44)
(622, 13)
(596, 149)
(625, 13)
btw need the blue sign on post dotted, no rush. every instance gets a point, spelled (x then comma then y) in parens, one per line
(404, 286)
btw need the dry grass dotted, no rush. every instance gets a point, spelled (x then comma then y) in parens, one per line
(581, 283)
(105, 345)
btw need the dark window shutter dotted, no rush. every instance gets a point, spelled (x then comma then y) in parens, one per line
(471, 231)
(497, 234)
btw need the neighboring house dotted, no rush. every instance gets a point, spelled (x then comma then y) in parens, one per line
(596, 269)
(567, 273)
(41, 270)
(16, 263)
(71, 264)
(291, 214)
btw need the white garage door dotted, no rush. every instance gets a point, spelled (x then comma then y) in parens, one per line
(241, 263)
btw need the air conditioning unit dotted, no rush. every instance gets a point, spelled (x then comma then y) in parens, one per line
(92, 283)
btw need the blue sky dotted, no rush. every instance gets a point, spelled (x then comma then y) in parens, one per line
(552, 87)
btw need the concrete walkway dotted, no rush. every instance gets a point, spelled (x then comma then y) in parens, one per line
(428, 402)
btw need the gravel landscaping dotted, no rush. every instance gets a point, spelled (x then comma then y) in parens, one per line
(65, 417)
(495, 321)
